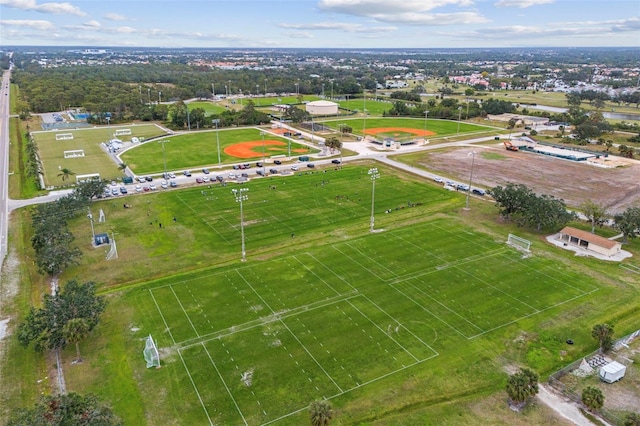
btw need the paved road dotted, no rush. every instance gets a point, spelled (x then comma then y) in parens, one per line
(4, 165)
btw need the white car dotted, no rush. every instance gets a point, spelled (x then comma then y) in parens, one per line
(231, 176)
(138, 188)
(164, 184)
(438, 179)
(294, 167)
(152, 187)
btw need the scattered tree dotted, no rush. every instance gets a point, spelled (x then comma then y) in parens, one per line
(632, 419)
(69, 409)
(75, 331)
(592, 398)
(333, 143)
(521, 386)
(320, 412)
(595, 213)
(603, 333)
(628, 222)
(65, 174)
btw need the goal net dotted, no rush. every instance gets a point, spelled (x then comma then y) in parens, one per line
(519, 243)
(151, 355)
(64, 136)
(113, 251)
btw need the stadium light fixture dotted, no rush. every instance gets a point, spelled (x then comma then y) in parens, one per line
(473, 158)
(164, 155)
(459, 115)
(373, 174)
(241, 195)
(263, 152)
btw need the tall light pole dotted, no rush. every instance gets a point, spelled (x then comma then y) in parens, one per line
(473, 158)
(149, 94)
(241, 196)
(467, 117)
(93, 232)
(217, 121)
(262, 134)
(226, 90)
(213, 90)
(459, 114)
(265, 87)
(322, 90)
(297, 88)
(364, 111)
(230, 93)
(331, 88)
(159, 98)
(373, 174)
(426, 117)
(188, 118)
(258, 93)
(164, 155)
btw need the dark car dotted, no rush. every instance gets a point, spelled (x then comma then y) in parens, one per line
(310, 165)
(235, 167)
(148, 178)
(259, 164)
(277, 162)
(199, 180)
(187, 173)
(219, 178)
(244, 175)
(247, 165)
(123, 190)
(259, 172)
(273, 171)
(478, 191)
(205, 171)
(336, 161)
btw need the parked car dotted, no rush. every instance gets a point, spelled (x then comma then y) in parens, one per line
(152, 187)
(438, 179)
(310, 165)
(123, 190)
(173, 184)
(199, 180)
(273, 171)
(235, 167)
(294, 167)
(336, 161)
(245, 175)
(114, 192)
(146, 188)
(187, 173)
(141, 179)
(231, 176)
(205, 171)
(148, 178)
(138, 188)
(478, 191)
(462, 186)
(164, 184)
(259, 164)
(172, 175)
(205, 178)
(219, 178)
(277, 162)
(260, 172)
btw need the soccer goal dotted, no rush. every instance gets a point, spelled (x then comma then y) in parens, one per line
(519, 243)
(122, 132)
(74, 153)
(64, 136)
(113, 251)
(88, 177)
(151, 355)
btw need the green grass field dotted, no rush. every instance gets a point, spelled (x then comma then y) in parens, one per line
(373, 107)
(426, 309)
(200, 149)
(96, 160)
(442, 128)
(210, 108)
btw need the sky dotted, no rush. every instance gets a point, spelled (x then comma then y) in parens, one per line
(321, 23)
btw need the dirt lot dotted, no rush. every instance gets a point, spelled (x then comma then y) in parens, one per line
(572, 181)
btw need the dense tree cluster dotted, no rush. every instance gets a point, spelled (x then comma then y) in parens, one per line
(69, 410)
(628, 222)
(52, 240)
(521, 386)
(47, 327)
(520, 204)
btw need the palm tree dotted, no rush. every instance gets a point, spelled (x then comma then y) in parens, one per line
(65, 173)
(592, 398)
(521, 386)
(603, 333)
(123, 166)
(321, 413)
(75, 331)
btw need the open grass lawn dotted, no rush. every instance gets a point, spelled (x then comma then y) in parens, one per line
(95, 159)
(387, 325)
(200, 149)
(373, 107)
(441, 128)
(210, 108)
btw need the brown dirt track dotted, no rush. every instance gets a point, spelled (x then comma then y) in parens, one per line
(573, 181)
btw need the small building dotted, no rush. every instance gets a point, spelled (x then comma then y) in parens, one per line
(612, 372)
(589, 241)
(100, 239)
(322, 108)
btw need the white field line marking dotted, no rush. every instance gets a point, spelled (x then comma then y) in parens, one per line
(431, 313)
(443, 305)
(163, 319)
(254, 290)
(261, 322)
(274, 218)
(331, 270)
(195, 388)
(315, 275)
(565, 283)
(185, 312)
(392, 273)
(311, 355)
(226, 240)
(225, 385)
(532, 314)
(401, 325)
(382, 331)
(358, 263)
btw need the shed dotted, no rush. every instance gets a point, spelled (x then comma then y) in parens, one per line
(589, 241)
(322, 108)
(612, 372)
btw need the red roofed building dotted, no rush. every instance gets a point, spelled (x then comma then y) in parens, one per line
(588, 241)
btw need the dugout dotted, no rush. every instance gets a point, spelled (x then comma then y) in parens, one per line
(588, 241)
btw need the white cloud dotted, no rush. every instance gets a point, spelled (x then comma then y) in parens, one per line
(522, 3)
(300, 34)
(116, 17)
(412, 18)
(40, 25)
(338, 26)
(53, 8)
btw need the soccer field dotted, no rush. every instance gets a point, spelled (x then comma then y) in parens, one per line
(95, 159)
(256, 343)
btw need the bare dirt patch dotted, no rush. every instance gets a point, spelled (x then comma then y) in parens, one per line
(572, 181)
(246, 149)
